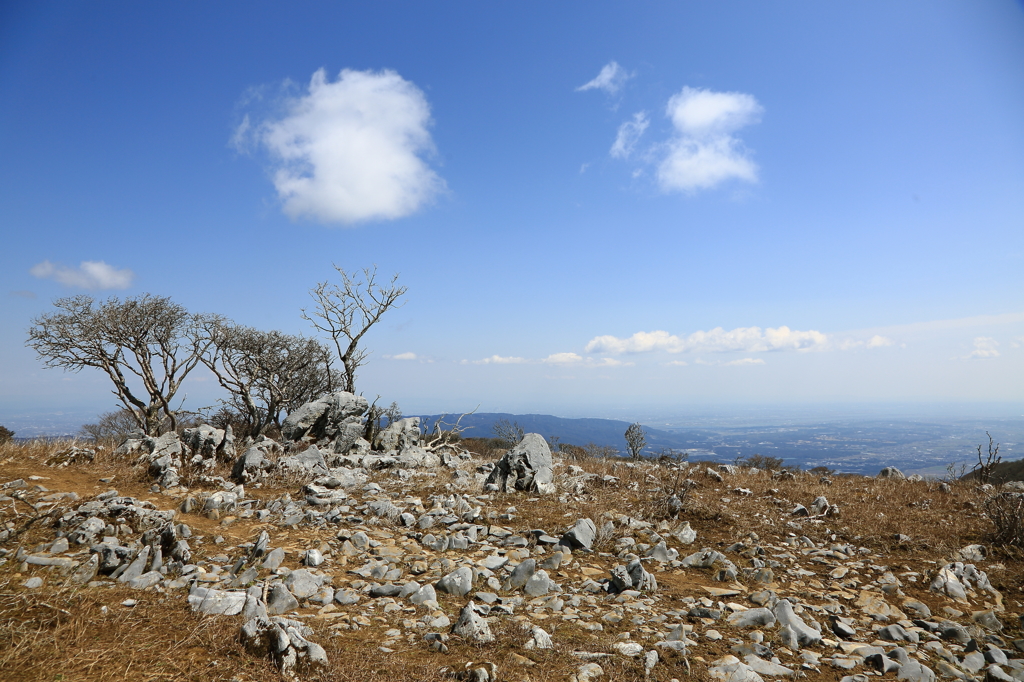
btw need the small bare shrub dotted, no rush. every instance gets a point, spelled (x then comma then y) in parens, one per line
(1006, 511)
(509, 433)
(987, 462)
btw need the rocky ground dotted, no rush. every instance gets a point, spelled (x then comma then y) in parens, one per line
(330, 557)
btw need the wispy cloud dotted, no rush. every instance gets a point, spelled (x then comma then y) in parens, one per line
(90, 274)
(24, 293)
(744, 339)
(350, 150)
(611, 79)
(497, 360)
(703, 152)
(402, 356)
(743, 362)
(984, 349)
(629, 134)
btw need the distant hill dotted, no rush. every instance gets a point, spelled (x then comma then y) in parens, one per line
(607, 432)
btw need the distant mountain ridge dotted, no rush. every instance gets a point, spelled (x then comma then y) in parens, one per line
(606, 432)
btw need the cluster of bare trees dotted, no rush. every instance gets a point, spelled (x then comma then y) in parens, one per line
(148, 344)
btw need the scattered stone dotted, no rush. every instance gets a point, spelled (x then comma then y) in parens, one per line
(472, 625)
(459, 582)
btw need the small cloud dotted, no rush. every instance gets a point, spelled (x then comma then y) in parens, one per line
(677, 363)
(402, 356)
(583, 168)
(984, 349)
(703, 152)
(90, 274)
(562, 359)
(611, 79)
(1016, 342)
(608, 362)
(743, 362)
(499, 360)
(628, 135)
(23, 293)
(878, 341)
(349, 150)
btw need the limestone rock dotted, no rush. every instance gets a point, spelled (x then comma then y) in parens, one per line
(324, 417)
(400, 435)
(472, 625)
(525, 467)
(459, 582)
(581, 535)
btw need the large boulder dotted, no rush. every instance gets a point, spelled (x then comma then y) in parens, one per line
(324, 417)
(162, 455)
(308, 462)
(525, 467)
(893, 473)
(400, 435)
(252, 465)
(208, 442)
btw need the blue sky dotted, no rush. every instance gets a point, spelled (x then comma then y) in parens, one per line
(597, 207)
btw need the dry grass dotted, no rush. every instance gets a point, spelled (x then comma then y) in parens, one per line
(65, 634)
(57, 633)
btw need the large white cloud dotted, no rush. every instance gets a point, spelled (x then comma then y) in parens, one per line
(703, 151)
(90, 274)
(350, 150)
(611, 79)
(742, 339)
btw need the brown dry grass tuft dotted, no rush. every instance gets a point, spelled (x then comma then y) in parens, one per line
(65, 634)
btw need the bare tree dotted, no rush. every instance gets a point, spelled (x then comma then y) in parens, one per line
(148, 339)
(987, 462)
(111, 426)
(636, 440)
(266, 373)
(509, 433)
(347, 312)
(393, 413)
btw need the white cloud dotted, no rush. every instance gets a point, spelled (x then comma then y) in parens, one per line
(743, 339)
(574, 359)
(677, 363)
(611, 79)
(703, 152)
(403, 356)
(499, 360)
(878, 341)
(350, 150)
(562, 359)
(744, 361)
(1016, 342)
(984, 348)
(90, 274)
(628, 135)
